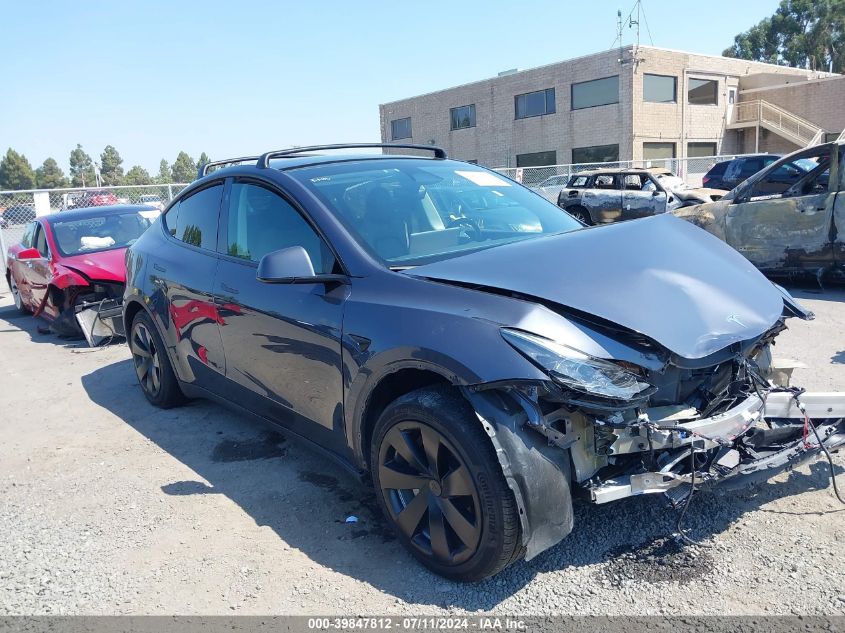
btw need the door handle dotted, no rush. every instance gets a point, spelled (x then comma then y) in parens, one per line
(229, 289)
(158, 268)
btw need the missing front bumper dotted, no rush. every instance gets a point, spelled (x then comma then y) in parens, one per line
(720, 433)
(100, 321)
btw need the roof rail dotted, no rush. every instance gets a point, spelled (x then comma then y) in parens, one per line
(264, 160)
(203, 170)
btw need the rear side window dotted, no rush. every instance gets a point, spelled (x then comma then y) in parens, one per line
(261, 221)
(578, 181)
(194, 219)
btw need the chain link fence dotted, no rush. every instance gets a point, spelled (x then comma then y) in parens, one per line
(692, 170)
(18, 208)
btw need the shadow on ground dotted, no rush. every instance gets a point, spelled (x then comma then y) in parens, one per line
(37, 329)
(306, 500)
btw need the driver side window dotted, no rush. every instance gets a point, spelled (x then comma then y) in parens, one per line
(41, 241)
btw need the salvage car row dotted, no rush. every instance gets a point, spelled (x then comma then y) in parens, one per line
(786, 215)
(415, 319)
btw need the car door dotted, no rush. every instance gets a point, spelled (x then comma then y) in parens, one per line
(37, 271)
(781, 226)
(282, 341)
(604, 198)
(184, 278)
(641, 196)
(18, 268)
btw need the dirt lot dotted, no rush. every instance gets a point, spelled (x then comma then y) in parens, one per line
(108, 505)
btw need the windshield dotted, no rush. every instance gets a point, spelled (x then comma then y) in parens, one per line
(411, 212)
(98, 233)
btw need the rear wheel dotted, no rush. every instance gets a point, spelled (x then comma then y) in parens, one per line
(580, 214)
(16, 295)
(152, 366)
(438, 481)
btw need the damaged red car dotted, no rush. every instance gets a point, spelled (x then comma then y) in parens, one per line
(69, 268)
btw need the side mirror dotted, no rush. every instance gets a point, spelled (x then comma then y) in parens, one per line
(292, 265)
(28, 253)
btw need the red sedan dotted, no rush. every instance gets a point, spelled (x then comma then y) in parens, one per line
(73, 258)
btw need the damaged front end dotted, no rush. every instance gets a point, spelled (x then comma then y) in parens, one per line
(92, 310)
(615, 429)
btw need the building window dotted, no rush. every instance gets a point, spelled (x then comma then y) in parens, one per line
(400, 128)
(660, 89)
(830, 137)
(658, 151)
(536, 159)
(589, 94)
(462, 117)
(595, 154)
(703, 92)
(534, 103)
(695, 150)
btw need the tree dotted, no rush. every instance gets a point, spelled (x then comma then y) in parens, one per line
(50, 175)
(802, 33)
(204, 160)
(137, 175)
(164, 176)
(184, 168)
(81, 168)
(16, 172)
(111, 171)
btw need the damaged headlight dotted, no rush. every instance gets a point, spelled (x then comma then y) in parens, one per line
(577, 371)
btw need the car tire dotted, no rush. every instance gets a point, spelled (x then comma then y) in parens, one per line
(581, 214)
(457, 515)
(152, 365)
(16, 295)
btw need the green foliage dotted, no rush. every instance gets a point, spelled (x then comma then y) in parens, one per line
(802, 33)
(16, 172)
(184, 168)
(204, 160)
(164, 175)
(50, 175)
(111, 170)
(192, 235)
(81, 168)
(137, 175)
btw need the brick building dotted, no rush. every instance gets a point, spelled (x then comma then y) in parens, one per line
(623, 104)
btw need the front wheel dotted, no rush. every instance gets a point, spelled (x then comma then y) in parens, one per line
(16, 295)
(152, 366)
(438, 481)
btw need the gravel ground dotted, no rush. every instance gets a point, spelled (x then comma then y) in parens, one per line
(110, 506)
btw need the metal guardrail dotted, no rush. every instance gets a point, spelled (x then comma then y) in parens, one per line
(784, 122)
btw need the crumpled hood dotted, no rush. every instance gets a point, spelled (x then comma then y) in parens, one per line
(659, 276)
(101, 265)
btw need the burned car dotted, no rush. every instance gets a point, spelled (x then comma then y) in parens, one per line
(68, 268)
(610, 195)
(787, 219)
(452, 360)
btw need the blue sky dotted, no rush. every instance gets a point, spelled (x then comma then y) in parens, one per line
(234, 78)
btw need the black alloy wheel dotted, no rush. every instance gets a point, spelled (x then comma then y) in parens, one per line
(145, 355)
(430, 492)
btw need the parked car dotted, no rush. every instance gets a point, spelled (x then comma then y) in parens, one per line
(713, 177)
(606, 195)
(71, 259)
(787, 219)
(551, 187)
(151, 200)
(17, 213)
(728, 174)
(89, 198)
(482, 375)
